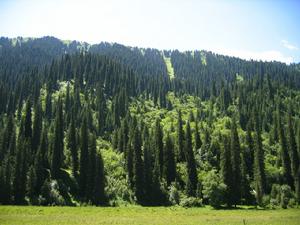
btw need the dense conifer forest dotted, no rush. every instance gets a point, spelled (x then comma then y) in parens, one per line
(108, 124)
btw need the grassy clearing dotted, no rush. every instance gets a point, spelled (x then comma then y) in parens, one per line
(169, 66)
(144, 215)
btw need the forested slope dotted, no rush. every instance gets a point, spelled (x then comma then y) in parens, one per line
(105, 124)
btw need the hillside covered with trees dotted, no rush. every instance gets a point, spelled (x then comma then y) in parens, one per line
(108, 124)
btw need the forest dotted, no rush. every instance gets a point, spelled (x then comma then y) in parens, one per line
(112, 125)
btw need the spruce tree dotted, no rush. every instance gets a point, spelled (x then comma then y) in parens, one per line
(159, 146)
(192, 179)
(84, 154)
(37, 127)
(170, 164)
(235, 163)
(180, 139)
(72, 145)
(259, 165)
(91, 167)
(138, 166)
(58, 145)
(293, 151)
(285, 158)
(99, 183)
(226, 169)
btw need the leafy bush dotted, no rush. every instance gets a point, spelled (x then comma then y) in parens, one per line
(191, 202)
(286, 195)
(51, 194)
(214, 189)
(174, 194)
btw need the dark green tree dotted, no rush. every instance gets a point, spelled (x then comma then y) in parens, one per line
(84, 157)
(170, 164)
(58, 145)
(192, 179)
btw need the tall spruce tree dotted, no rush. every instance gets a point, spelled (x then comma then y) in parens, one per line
(84, 155)
(235, 163)
(37, 126)
(159, 146)
(285, 158)
(170, 164)
(192, 179)
(293, 151)
(72, 145)
(99, 183)
(259, 165)
(138, 166)
(58, 145)
(180, 139)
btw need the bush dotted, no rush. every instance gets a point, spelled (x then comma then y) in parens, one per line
(174, 195)
(191, 202)
(286, 195)
(214, 189)
(51, 194)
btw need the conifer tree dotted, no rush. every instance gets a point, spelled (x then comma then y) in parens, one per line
(192, 179)
(91, 167)
(138, 166)
(159, 146)
(72, 145)
(226, 169)
(235, 163)
(197, 138)
(99, 193)
(180, 139)
(37, 127)
(170, 164)
(285, 158)
(84, 154)
(293, 151)
(58, 145)
(258, 167)
(27, 120)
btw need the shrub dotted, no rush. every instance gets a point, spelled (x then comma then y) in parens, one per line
(174, 194)
(191, 202)
(214, 189)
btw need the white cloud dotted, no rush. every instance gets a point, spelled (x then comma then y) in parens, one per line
(288, 45)
(271, 55)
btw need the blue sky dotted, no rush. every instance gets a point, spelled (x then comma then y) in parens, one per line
(257, 29)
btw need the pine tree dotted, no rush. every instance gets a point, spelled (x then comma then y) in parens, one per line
(226, 170)
(259, 166)
(192, 179)
(148, 168)
(138, 167)
(91, 167)
(84, 154)
(102, 110)
(27, 120)
(236, 163)
(180, 139)
(20, 173)
(37, 127)
(159, 146)
(293, 151)
(72, 145)
(170, 164)
(286, 162)
(99, 194)
(249, 151)
(197, 138)
(58, 146)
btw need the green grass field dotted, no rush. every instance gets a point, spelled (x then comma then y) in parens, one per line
(144, 215)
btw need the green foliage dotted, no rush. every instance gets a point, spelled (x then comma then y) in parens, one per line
(214, 189)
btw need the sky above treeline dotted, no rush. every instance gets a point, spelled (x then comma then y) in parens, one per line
(250, 29)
